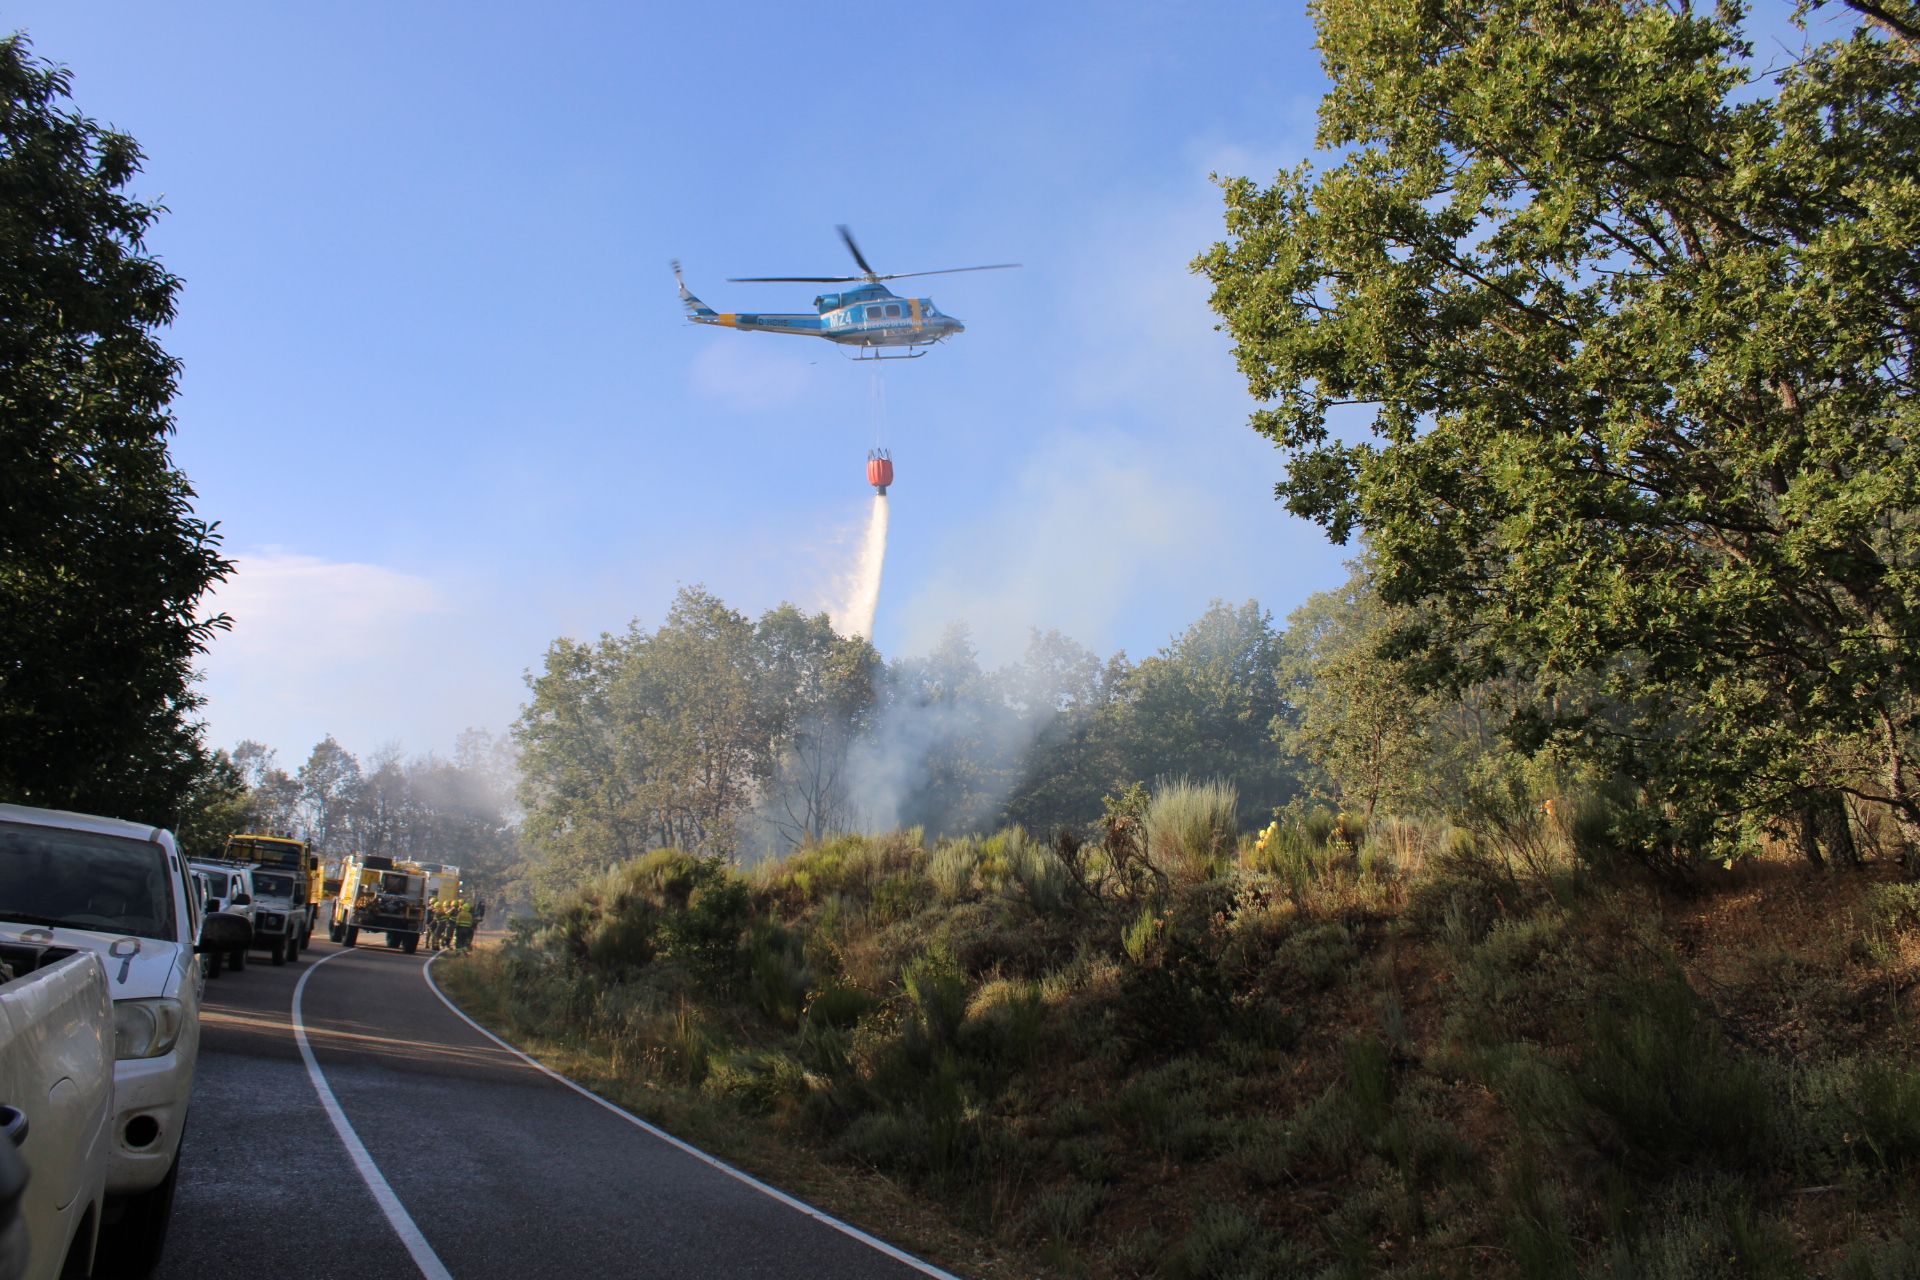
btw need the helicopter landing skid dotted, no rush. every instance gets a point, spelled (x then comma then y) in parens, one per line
(911, 354)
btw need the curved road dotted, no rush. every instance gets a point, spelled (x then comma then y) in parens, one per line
(489, 1166)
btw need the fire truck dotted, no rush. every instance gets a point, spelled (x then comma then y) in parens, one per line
(380, 895)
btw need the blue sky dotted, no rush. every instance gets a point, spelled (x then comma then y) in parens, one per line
(440, 396)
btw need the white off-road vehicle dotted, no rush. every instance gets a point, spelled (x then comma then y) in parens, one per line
(232, 889)
(71, 882)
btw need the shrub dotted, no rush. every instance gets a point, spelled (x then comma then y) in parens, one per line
(1226, 1243)
(1063, 1213)
(952, 868)
(839, 1007)
(1004, 1022)
(1039, 871)
(779, 976)
(1191, 828)
(706, 934)
(937, 989)
(757, 1081)
(1657, 1067)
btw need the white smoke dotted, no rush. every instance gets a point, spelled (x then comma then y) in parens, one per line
(859, 596)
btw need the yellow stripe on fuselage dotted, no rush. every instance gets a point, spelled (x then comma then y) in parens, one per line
(728, 318)
(915, 304)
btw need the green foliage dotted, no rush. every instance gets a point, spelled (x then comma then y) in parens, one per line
(1192, 827)
(668, 738)
(936, 988)
(1005, 1020)
(1628, 317)
(952, 866)
(218, 805)
(103, 563)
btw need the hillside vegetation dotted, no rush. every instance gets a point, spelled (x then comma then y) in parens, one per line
(1181, 1051)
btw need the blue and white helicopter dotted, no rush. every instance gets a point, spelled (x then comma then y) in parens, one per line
(870, 318)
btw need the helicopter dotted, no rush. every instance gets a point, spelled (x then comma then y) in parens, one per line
(870, 317)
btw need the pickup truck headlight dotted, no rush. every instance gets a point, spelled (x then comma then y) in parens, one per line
(146, 1028)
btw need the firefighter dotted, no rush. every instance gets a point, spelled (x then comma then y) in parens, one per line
(436, 922)
(463, 925)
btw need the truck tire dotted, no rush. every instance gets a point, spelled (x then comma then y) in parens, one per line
(135, 1230)
(353, 936)
(238, 958)
(213, 961)
(278, 951)
(336, 930)
(412, 944)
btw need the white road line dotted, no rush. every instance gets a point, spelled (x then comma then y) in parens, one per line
(872, 1242)
(397, 1216)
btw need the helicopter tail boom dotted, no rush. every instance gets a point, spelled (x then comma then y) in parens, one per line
(700, 313)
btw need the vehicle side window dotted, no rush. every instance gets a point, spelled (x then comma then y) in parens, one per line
(893, 308)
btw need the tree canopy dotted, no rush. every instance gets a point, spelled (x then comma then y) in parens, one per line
(103, 563)
(1604, 336)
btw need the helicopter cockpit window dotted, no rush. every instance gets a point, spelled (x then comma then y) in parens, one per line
(893, 309)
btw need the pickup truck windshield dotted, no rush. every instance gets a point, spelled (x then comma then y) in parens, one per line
(84, 880)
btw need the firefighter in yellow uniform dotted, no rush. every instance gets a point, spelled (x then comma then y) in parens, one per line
(463, 925)
(437, 923)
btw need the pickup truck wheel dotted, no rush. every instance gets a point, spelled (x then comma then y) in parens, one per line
(278, 952)
(135, 1230)
(353, 935)
(238, 956)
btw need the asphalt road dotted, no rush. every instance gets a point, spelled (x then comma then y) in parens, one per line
(496, 1168)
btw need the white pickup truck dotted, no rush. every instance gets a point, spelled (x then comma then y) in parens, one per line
(56, 1106)
(70, 882)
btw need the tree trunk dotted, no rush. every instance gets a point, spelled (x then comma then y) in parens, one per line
(1825, 829)
(1900, 798)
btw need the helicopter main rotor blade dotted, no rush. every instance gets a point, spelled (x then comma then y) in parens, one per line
(854, 249)
(793, 279)
(948, 271)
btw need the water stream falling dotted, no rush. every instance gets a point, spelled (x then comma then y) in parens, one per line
(862, 600)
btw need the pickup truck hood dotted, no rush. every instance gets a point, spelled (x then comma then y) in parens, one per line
(137, 968)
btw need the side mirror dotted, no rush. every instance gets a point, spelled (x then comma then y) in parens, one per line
(242, 899)
(223, 931)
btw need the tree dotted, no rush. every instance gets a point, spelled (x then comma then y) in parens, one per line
(103, 563)
(330, 790)
(218, 805)
(1352, 710)
(274, 795)
(817, 694)
(1632, 328)
(1064, 696)
(1204, 706)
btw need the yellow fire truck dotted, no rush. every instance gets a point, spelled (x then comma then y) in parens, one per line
(380, 895)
